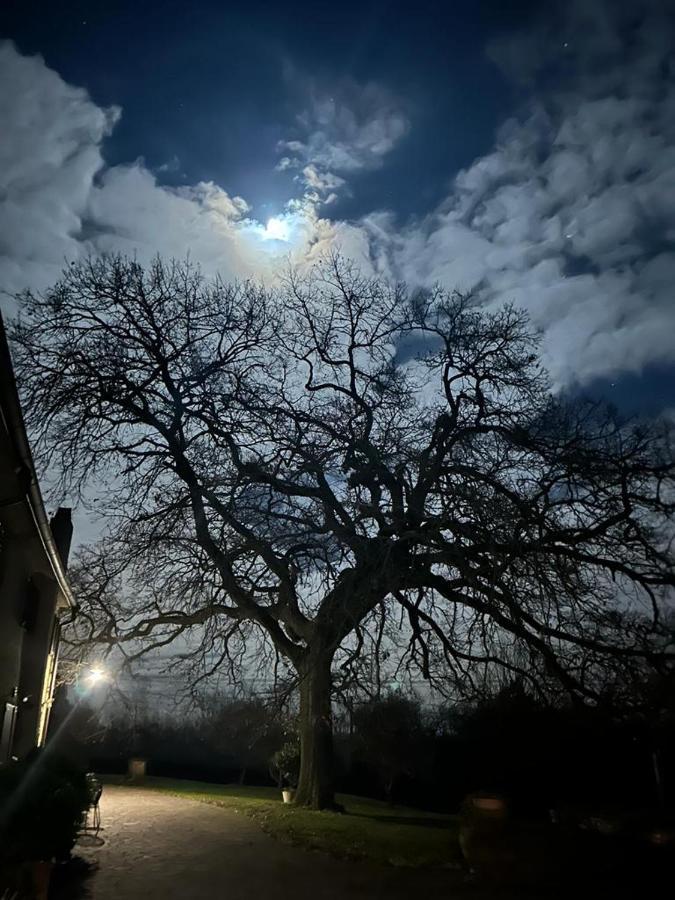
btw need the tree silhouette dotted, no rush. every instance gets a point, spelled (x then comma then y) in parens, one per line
(390, 737)
(312, 463)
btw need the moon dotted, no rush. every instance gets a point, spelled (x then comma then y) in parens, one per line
(276, 230)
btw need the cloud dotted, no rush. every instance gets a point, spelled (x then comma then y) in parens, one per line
(573, 214)
(323, 182)
(49, 157)
(348, 130)
(59, 201)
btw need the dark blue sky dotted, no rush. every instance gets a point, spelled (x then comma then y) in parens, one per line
(214, 86)
(569, 210)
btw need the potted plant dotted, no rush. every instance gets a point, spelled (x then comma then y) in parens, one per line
(285, 766)
(484, 835)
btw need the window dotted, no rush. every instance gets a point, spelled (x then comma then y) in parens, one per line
(7, 731)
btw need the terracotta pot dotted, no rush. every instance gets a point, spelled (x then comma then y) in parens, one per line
(41, 873)
(490, 805)
(137, 767)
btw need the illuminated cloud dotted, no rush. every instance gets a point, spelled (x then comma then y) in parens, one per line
(571, 215)
(47, 168)
(346, 131)
(61, 202)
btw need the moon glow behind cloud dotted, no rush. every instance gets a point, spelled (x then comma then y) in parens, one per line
(277, 229)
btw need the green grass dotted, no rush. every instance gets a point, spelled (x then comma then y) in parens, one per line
(368, 830)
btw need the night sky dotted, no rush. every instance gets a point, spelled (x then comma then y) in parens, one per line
(525, 151)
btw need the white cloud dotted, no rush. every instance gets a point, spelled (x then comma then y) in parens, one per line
(350, 130)
(59, 201)
(572, 215)
(49, 156)
(321, 181)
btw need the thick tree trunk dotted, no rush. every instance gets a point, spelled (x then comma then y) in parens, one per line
(315, 785)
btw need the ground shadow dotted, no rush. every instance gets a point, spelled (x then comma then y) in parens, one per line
(89, 840)
(70, 880)
(421, 821)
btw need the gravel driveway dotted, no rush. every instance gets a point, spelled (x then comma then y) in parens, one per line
(159, 846)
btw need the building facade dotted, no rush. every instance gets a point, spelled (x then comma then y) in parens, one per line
(34, 589)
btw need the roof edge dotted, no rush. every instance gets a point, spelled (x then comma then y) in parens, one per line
(11, 405)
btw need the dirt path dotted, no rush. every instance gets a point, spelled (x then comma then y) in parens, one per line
(159, 846)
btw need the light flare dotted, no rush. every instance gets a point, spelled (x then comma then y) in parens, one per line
(96, 675)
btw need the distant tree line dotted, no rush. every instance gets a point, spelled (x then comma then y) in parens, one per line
(540, 756)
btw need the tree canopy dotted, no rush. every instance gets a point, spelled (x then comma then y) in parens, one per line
(320, 462)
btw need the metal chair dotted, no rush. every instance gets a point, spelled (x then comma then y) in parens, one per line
(91, 823)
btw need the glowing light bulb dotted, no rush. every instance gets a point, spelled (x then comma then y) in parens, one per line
(96, 675)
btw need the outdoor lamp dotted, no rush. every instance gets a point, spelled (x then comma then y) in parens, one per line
(96, 675)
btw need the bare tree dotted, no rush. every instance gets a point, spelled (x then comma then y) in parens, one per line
(245, 731)
(302, 463)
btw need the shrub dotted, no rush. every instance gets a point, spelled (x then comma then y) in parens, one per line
(285, 764)
(42, 801)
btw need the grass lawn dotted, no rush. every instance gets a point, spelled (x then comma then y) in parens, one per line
(369, 829)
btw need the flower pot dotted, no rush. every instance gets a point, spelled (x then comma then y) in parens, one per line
(490, 806)
(288, 795)
(137, 768)
(40, 875)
